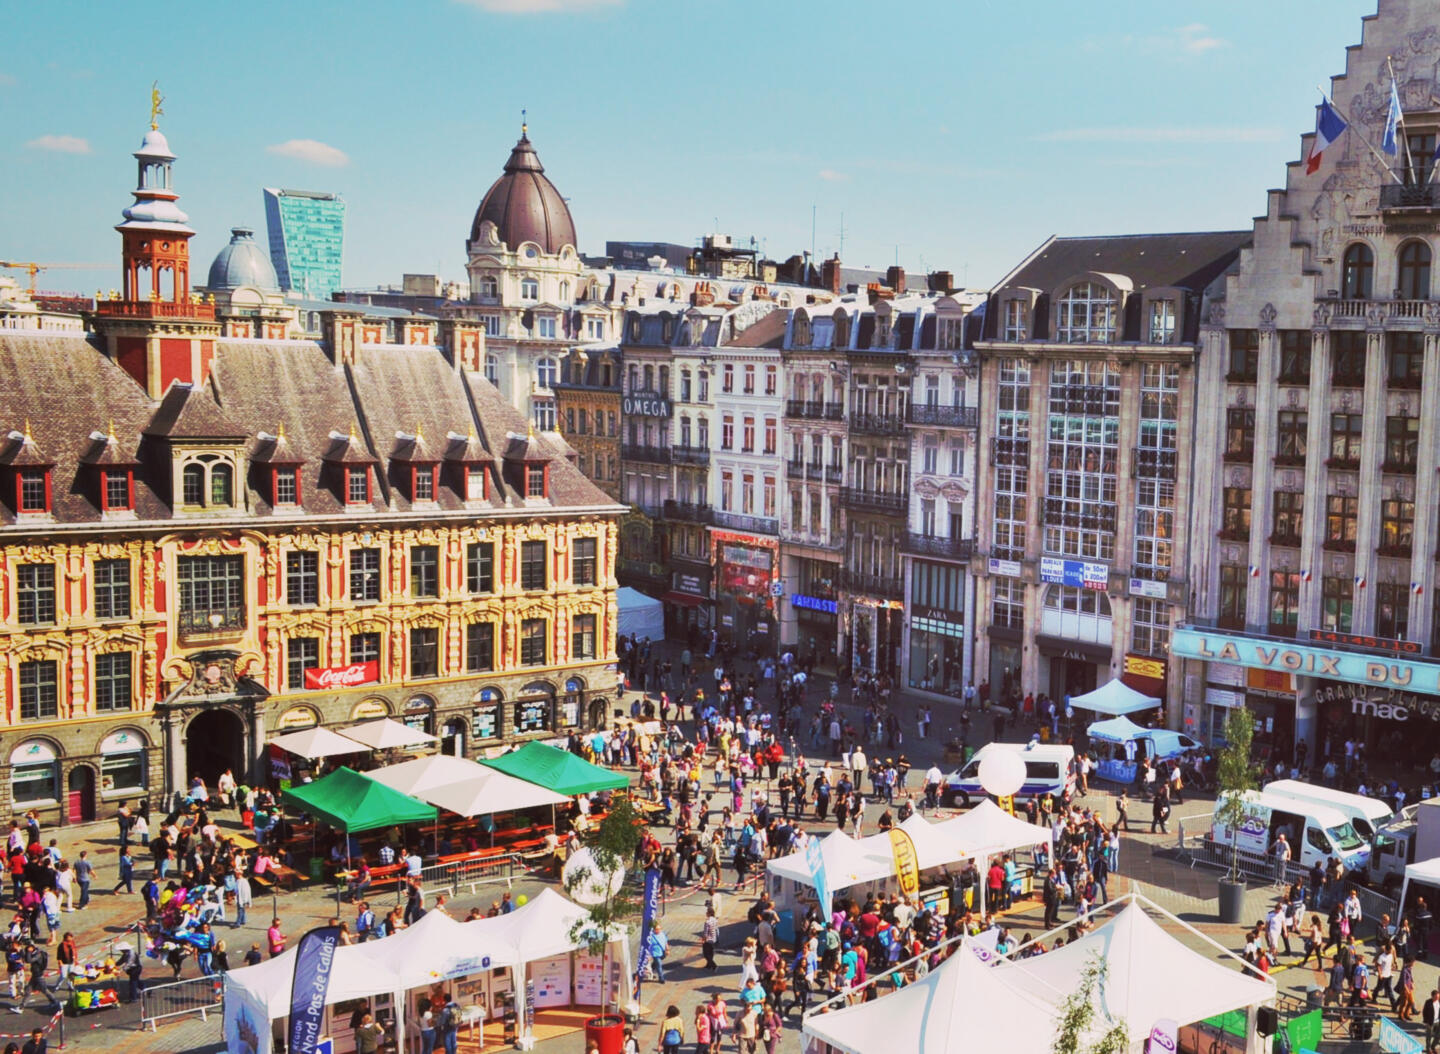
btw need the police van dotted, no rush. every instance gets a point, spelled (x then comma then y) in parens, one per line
(1315, 832)
(1048, 770)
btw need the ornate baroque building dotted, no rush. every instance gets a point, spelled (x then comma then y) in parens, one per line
(210, 532)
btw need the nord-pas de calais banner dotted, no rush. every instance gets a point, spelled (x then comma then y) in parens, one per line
(342, 676)
(647, 921)
(314, 956)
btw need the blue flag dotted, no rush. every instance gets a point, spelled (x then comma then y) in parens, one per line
(314, 957)
(647, 921)
(1388, 142)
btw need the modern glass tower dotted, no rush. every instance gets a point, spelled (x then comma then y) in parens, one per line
(307, 234)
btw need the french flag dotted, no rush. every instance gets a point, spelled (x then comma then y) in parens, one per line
(1359, 581)
(1329, 126)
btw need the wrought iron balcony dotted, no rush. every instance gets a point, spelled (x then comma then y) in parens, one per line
(834, 473)
(688, 513)
(224, 621)
(655, 455)
(1155, 464)
(944, 416)
(1424, 197)
(691, 455)
(928, 545)
(814, 410)
(877, 424)
(892, 588)
(750, 524)
(873, 501)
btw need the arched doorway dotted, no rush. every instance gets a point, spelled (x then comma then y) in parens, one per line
(80, 795)
(452, 741)
(214, 742)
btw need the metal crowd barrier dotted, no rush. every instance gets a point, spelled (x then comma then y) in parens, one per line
(193, 995)
(469, 874)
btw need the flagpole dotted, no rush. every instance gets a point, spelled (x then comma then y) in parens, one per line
(1351, 126)
(1400, 120)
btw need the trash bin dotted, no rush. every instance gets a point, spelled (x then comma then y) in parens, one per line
(317, 868)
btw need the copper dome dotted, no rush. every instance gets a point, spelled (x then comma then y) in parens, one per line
(525, 206)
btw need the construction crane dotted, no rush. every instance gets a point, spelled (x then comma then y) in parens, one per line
(32, 268)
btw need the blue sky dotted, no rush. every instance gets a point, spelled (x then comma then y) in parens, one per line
(957, 135)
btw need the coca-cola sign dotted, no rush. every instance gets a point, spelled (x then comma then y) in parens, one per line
(342, 676)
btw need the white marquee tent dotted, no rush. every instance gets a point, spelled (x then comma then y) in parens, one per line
(847, 863)
(1426, 872)
(418, 775)
(385, 733)
(1114, 698)
(462, 786)
(317, 742)
(987, 828)
(640, 615)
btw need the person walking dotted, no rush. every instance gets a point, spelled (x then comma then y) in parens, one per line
(38, 961)
(276, 938)
(449, 1025)
(425, 1016)
(672, 1031)
(1406, 1008)
(242, 900)
(84, 875)
(127, 872)
(1431, 1016)
(1160, 809)
(709, 934)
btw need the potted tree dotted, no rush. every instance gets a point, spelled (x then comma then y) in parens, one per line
(1077, 1022)
(595, 878)
(1235, 774)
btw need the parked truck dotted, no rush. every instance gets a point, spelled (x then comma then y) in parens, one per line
(1413, 835)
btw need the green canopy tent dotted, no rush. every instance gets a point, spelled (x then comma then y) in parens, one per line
(560, 770)
(353, 802)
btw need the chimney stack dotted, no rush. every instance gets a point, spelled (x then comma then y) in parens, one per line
(830, 274)
(895, 279)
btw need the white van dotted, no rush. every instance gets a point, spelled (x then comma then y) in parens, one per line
(1047, 771)
(1315, 832)
(1366, 815)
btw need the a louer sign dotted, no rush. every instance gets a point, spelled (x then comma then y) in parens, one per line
(1307, 661)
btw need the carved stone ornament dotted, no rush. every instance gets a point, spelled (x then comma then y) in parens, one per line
(954, 491)
(1432, 313)
(1375, 315)
(1293, 397)
(926, 488)
(1287, 480)
(1322, 315)
(1267, 316)
(1232, 554)
(1237, 478)
(1240, 397)
(1217, 313)
(1346, 400)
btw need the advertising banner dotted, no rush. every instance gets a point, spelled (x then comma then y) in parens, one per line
(314, 957)
(907, 861)
(651, 907)
(1080, 573)
(342, 676)
(816, 860)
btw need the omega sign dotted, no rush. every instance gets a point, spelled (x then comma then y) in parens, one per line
(645, 404)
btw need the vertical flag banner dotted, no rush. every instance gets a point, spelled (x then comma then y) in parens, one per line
(1329, 126)
(1389, 141)
(816, 861)
(1164, 1037)
(647, 921)
(314, 957)
(907, 861)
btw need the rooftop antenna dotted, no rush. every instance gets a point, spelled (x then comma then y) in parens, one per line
(842, 236)
(524, 124)
(808, 278)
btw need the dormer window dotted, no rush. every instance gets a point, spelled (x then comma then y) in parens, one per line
(287, 485)
(423, 483)
(116, 490)
(1015, 320)
(33, 490)
(357, 485)
(207, 482)
(192, 486)
(1162, 322)
(475, 483)
(535, 481)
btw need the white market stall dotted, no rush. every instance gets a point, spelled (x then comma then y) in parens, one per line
(418, 775)
(847, 863)
(1425, 872)
(1115, 698)
(477, 962)
(386, 734)
(317, 742)
(987, 830)
(640, 615)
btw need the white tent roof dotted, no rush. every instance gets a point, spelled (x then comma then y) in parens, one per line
(490, 792)
(418, 775)
(384, 733)
(1423, 871)
(1152, 975)
(640, 615)
(1114, 698)
(318, 742)
(539, 930)
(1115, 729)
(847, 863)
(987, 828)
(964, 1005)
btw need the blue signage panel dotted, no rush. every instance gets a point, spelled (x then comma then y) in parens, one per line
(1079, 573)
(1305, 660)
(813, 603)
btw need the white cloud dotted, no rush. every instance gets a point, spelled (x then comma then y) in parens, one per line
(1196, 39)
(1161, 135)
(312, 151)
(539, 7)
(60, 144)
(829, 175)
(1192, 39)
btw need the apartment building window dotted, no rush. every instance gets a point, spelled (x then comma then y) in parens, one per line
(749, 378)
(582, 562)
(34, 490)
(533, 556)
(1294, 356)
(1015, 320)
(1235, 513)
(364, 574)
(364, 647)
(1357, 273)
(685, 386)
(727, 378)
(1239, 434)
(1086, 314)
(1150, 632)
(1011, 512)
(301, 654)
(1347, 358)
(1289, 515)
(479, 647)
(1402, 444)
(957, 457)
(112, 589)
(747, 493)
(424, 571)
(702, 433)
(1397, 527)
(424, 651)
(727, 483)
(533, 650)
(117, 488)
(35, 594)
(772, 433)
(1284, 602)
(1336, 604)
(480, 568)
(1233, 586)
(302, 578)
(1392, 610)
(727, 432)
(582, 637)
(1244, 360)
(768, 503)
(212, 593)
(1292, 426)
(287, 485)
(39, 690)
(113, 680)
(747, 442)
(1154, 526)
(930, 456)
(927, 517)
(1405, 357)
(704, 386)
(1346, 432)
(1341, 515)
(1162, 322)
(529, 289)
(772, 380)
(1414, 258)
(1007, 609)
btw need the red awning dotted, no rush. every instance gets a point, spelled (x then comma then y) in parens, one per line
(685, 600)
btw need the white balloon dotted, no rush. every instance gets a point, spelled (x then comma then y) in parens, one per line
(1002, 772)
(595, 885)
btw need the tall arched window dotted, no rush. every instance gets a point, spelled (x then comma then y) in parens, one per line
(547, 371)
(193, 485)
(1087, 314)
(488, 286)
(221, 488)
(1414, 275)
(564, 292)
(1358, 274)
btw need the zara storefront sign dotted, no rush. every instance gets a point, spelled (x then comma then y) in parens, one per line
(1302, 659)
(645, 404)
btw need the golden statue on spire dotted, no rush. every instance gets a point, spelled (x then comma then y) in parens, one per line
(155, 100)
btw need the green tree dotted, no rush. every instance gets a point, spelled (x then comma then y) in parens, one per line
(1235, 774)
(612, 845)
(1078, 1017)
